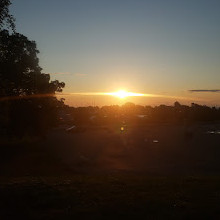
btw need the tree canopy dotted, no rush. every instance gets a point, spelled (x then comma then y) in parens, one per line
(20, 71)
(27, 96)
(5, 17)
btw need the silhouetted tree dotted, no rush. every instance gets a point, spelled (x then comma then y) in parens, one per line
(27, 96)
(177, 104)
(5, 17)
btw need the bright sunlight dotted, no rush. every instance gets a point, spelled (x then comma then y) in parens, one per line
(123, 94)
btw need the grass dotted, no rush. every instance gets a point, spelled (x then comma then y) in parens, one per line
(48, 179)
(131, 196)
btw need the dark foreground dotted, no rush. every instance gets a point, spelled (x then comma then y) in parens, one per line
(151, 172)
(110, 196)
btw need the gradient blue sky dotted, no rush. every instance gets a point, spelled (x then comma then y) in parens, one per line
(162, 47)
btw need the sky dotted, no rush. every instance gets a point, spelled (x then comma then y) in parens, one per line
(147, 46)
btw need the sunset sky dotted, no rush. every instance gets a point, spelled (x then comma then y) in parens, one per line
(156, 47)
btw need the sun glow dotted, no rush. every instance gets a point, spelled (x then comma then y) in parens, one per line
(123, 94)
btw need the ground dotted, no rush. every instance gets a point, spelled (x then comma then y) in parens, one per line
(154, 171)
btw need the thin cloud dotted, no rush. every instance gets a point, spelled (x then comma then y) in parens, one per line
(63, 94)
(204, 90)
(80, 74)
(68, 73)
(60, 73)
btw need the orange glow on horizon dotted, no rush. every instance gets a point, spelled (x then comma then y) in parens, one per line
(123, 94)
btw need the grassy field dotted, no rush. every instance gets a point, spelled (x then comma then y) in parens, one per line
(131, 196)
(103, 173)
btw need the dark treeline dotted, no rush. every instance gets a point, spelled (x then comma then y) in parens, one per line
(27, 96)
(132, 113)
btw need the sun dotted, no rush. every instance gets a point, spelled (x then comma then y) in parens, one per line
(121, 94)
